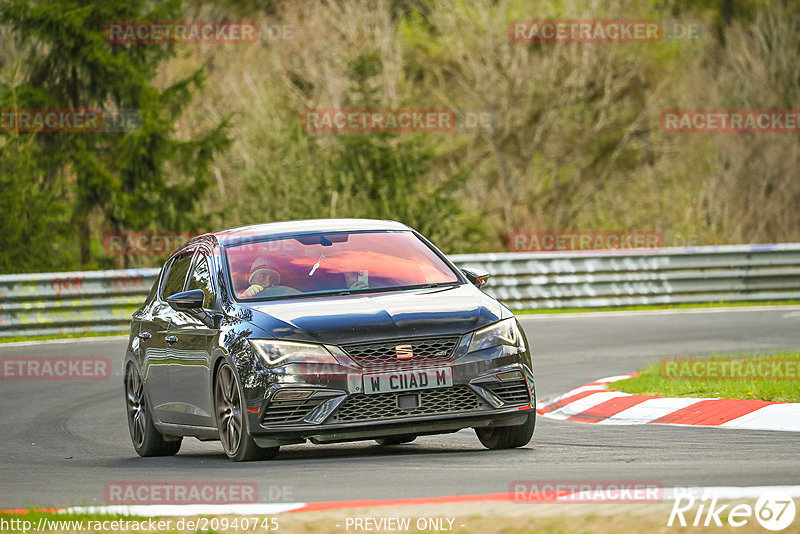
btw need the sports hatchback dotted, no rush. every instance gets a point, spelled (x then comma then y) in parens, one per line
(324, 330)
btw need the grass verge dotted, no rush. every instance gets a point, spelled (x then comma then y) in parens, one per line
(652, 381)
(62, 336)
(661, 307)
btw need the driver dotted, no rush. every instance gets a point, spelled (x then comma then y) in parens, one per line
(263, 274)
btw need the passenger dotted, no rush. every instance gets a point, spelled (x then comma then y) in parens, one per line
(356, 280)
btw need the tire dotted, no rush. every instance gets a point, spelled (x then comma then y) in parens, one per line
(145, 438)
(508, 437)
(396, 440)
(233, 429)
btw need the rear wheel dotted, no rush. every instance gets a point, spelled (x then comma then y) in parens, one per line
(508, 437)
(396, 440)
(232, 424)
(145, 438)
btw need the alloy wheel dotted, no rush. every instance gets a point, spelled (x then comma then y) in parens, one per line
(229, 410)
(134, 392)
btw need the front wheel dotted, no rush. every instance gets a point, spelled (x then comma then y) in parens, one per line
(508, 437)
(145, 438)
(232, 423)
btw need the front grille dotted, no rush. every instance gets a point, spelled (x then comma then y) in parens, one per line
(510, 391)
(384, 354)
(361, 407)
(289, 411)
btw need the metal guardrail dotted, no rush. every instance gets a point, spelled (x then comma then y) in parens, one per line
(103, 301)
(623, 278)
(60, 303)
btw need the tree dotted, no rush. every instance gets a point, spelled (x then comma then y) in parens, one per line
(123, 180)
(382, 175)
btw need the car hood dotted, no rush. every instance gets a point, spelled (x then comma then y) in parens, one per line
(372, 316)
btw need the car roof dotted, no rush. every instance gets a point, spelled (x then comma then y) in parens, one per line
(309, 226)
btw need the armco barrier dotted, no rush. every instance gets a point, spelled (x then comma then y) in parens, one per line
(622, 278)
(102, 301)
(58, 303)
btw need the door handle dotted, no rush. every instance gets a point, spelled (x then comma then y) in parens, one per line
(145, 335)
(171, 339)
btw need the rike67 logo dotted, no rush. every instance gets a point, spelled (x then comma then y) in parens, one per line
(774, 510)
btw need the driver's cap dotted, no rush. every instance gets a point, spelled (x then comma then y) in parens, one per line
(264, 266)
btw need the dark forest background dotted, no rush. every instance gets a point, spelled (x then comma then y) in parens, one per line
(574, 142)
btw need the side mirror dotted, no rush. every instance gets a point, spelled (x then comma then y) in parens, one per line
(187, 300)
(478, 277)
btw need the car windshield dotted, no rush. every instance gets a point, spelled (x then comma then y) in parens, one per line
(336, 262)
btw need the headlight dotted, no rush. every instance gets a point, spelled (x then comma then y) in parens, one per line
(501, 333)
(286, 352)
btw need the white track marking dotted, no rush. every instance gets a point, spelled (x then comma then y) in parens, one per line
(164, 510)
(570, 393)
(647, 411)
(721, 492)
(614, 379)
(581, 405)
(773, 417)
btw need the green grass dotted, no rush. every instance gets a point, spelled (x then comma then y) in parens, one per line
(651, 382)
(661, 307)
(33, 514)
(15, 522)
(62, 336)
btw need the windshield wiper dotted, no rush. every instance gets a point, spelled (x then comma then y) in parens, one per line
(427, 286)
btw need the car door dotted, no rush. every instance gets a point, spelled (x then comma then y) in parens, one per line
(152, 325)
(190, 364)
(160, 356)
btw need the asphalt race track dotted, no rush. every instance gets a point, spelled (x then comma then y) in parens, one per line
(62, 441)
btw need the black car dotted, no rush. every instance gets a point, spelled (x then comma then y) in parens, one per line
(326, 330)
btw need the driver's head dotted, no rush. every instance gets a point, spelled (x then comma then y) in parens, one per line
(264, 273)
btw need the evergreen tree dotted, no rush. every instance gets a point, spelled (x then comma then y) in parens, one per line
(132, 179)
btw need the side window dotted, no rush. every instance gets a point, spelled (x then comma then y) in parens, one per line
(201, 279)
(177, 274)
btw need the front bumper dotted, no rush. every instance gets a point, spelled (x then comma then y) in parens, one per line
(418, 426)
(336, 408)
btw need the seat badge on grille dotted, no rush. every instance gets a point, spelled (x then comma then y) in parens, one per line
(404, 352)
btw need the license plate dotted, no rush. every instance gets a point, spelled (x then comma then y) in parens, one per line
(408, 380)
